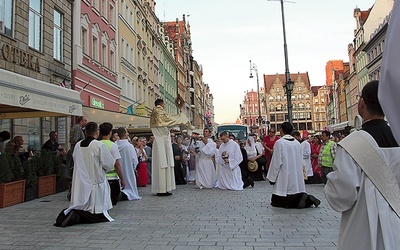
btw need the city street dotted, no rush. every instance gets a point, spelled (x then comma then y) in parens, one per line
(190, 219)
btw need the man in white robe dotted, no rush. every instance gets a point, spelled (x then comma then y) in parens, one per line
(229, 157)
(306, 152)
(286, 174)
(368, 221)
(90, 195)
(206, 176)
(162, 165)
(129, 163)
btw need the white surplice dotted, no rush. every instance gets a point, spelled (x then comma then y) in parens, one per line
(129, 163)
(389, 85)
(286, 167)
(230, 176)
(205, 169)
(306, 150)
(90, 189)
(368, 222)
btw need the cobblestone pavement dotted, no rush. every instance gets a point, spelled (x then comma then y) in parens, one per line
(190, 219)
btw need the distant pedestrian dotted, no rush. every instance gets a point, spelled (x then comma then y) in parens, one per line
(52, 144)
(114, 177)
(326, 154)
(4, 136)
(129, 162)
(76, 133)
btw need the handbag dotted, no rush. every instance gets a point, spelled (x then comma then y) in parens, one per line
(262, 160)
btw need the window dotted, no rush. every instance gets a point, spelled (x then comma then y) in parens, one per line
(112, 60)
(112, 15)
(95, 4)
(84, 40)
(6, 17)
(104, 55)
(35, 24)
(58, 36)
(95, 48)
(104, 8)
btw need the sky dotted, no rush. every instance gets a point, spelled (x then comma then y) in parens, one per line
(226, 34)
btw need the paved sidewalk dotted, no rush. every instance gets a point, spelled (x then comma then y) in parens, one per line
(190, 219)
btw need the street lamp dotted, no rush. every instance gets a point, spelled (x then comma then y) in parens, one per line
(253, 66)
(289, 84)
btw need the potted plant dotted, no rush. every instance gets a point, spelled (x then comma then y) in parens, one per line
(12, 186)
(31, 179)
(59, 170)
(45, 173)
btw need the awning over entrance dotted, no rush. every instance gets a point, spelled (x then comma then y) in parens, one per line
(24, 97)
(132, 122)
(339, 126)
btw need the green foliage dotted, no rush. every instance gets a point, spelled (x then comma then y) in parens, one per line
(30, 172)
(17, 169)
(59, 168)
(6, 174)
(45, 163)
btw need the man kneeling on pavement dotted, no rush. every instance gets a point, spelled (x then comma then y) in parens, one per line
(286, 173)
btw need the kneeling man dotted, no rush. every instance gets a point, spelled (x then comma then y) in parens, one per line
(286, 173)
(90, 195)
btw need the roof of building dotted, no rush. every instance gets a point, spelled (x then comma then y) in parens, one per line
(269, 80)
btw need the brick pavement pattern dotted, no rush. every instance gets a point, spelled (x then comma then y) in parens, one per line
(190, 219)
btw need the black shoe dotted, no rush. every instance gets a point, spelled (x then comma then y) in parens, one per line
(302, 202)
(251, 181)
(164, 194)
(314, 200)
(123, 197)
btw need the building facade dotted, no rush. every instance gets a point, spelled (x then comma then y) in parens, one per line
(95, 42)
(276, 101)
(320, 95)
(35, 68)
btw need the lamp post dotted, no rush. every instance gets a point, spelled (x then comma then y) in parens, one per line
(253, 66)
(289, 84)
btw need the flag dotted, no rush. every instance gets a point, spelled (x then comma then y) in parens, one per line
(129, 110)
(389, 85)
(63, 84)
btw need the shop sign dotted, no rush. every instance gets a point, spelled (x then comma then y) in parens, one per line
(96, 103)
(20, 57)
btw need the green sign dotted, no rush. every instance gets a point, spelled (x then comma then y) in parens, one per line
(96, 103)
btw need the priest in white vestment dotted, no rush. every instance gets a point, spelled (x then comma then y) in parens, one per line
(90, 194)
(368, 221)
(129, 163)
(162, 165)
(206, 176)
(286, 174)
(306, 152)
(229, 157)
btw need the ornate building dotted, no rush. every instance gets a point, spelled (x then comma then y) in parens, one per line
(276, 101)
(320, 95)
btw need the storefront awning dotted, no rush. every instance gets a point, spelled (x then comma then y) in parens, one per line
(24, 97)
(132, 122)
(339, 126)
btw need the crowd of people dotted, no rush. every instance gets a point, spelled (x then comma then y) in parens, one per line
(360, 172)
